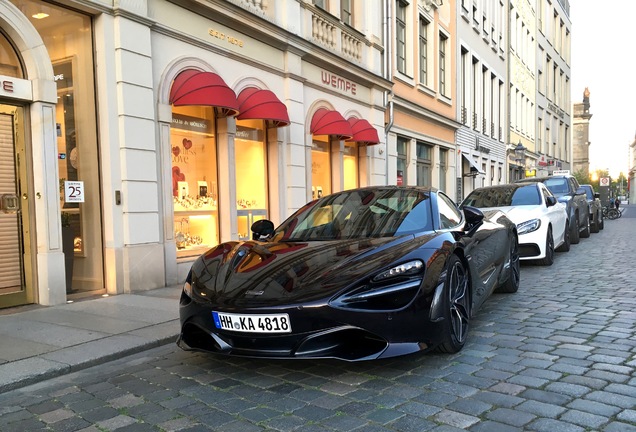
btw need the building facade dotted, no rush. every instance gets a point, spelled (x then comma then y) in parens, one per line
(553, 149)
(154, 129)
(421, 118)
(482, 107)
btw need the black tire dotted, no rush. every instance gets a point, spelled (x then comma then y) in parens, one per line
(511, 285)
(574, 230)
(548, 260)
(457, 313)
(586, 231)
(565, 246)
(595, 225)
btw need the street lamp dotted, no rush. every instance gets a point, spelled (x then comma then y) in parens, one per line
(520, 154)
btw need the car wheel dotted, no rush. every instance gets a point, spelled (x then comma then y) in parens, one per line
(595, 225)
(565, 246)
(549, 249)
(602, 218)
(574, 230)
(586, 231)
(511, 285)
(457, 315)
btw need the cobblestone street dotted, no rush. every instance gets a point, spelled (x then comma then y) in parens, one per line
(559, 355)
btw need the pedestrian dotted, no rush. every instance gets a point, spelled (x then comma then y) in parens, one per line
(617, 202)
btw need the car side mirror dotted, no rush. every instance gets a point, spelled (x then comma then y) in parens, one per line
(473, 215)
(262, 229)
(550, 201)
(597, 195)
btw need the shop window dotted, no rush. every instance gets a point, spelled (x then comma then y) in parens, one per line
(9, 61)
(320, 167)
(350, 162)
(194, 179)
(251, 174)
(67, 37)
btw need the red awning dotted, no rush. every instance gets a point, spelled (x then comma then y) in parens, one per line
(363, 132)
(255, 103)
(193, 87)
(327, 122)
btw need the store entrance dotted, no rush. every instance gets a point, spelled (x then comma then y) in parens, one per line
(16, 281)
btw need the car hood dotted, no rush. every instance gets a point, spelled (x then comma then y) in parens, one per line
(520, 213)
(256, 274)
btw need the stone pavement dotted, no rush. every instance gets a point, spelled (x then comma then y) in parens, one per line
(38, 343)
(559, 355)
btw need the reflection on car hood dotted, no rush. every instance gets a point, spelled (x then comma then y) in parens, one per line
(520, 213)
(254, 273)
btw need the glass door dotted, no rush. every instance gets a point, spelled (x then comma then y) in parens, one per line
(16, 282)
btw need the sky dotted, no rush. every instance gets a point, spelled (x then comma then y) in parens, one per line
(603, 59)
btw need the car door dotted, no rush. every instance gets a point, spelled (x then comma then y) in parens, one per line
(557, 214)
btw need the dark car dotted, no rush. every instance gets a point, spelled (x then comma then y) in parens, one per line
(597, 222)
(567, 190)
(362, 274)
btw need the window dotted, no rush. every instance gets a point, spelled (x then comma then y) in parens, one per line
(449, 215)
(443, 39)
(345, 11)
(402, 144)
(400, 34)
(320, 166)
(443, 166)
(424, 24)
(423, 164)
(321, 4)
(10, 63)
(350, 165)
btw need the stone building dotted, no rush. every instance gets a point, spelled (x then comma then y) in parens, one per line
(581, 135)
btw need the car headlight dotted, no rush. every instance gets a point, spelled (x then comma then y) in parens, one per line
(405, 269)
(528, 226)
(392, 289)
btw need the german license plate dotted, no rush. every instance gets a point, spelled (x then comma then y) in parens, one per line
(275, 323)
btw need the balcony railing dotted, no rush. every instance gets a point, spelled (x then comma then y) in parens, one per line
(335, 37)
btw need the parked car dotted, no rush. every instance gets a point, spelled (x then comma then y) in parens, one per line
(597, 222)
(567, 190)
(542, 221)
(362, 274)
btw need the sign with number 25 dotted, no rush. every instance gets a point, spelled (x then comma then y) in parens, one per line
(73, 191)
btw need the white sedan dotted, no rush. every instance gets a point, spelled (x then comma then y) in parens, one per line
(541, 220)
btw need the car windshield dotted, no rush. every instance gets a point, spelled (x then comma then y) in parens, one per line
(558, 186)
(359, 214)
(503, 196)
(588, 192)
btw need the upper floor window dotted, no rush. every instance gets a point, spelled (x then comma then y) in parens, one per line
(424, 25)
(321, 4)
(400, 35)
(345, 11)
(443, 40)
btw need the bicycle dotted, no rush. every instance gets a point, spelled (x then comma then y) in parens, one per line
(610, 212)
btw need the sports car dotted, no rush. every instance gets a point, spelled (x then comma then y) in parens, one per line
(362, 274)
(542, 221)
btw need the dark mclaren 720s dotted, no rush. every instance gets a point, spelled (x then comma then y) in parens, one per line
(362, 274)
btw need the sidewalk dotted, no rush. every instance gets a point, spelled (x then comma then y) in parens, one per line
(39, 342)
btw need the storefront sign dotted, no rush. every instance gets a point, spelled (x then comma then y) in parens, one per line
(15, 88)
(195, 124)
(248, 134)
(74, 191)
(230, 39)
(338, 83)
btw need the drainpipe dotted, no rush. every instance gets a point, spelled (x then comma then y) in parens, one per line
(388, 73)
